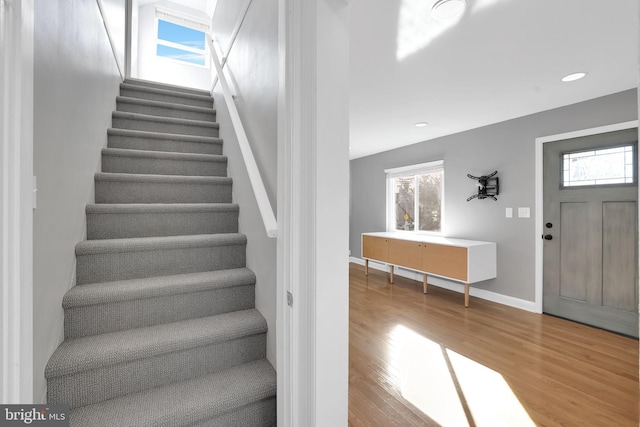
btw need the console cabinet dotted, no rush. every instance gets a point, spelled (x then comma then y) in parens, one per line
(465, 261)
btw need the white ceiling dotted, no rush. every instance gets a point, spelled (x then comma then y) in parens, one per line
(502, 59)
(205, 6)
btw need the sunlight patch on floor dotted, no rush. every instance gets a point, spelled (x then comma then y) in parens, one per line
(452, 389)
(489, 397)
(424, 378)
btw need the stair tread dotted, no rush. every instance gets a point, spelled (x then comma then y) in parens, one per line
(131, 289)
(115, 208)
(163, 135)
(96, 351)
(160, 119)
(134, 244)
(168, 86)
(164, 104)
(152, 287)
(168, 155)
(167, 91)
(128, 177)
(184, 403)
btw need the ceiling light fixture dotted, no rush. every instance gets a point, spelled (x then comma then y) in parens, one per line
(573, 77)
(444, 10)
(421, 124)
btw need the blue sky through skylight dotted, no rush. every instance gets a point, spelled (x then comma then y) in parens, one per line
(180, 43)
(180, 55)
(181, 35)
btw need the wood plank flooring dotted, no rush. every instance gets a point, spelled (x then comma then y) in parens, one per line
(425, 360)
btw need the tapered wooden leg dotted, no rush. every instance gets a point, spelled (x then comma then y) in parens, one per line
(424, 283)
(466, 295)
(391, 274)
(366, 267)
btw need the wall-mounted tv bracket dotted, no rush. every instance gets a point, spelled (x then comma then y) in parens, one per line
(488, 186)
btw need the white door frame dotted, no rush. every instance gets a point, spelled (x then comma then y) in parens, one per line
(313, 222)
(539, 192)
(17, 201)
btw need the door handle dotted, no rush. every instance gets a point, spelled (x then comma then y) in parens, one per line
(547, 237)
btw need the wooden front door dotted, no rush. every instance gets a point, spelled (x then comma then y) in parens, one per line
(591, 231)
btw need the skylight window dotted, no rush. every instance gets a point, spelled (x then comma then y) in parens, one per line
(182, 43)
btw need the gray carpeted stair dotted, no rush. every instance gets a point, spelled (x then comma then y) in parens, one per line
(165, 109)
(129, 361)
(162, 163)
(133, 258)
(242, 396)
(161, 94)
(154, 141)
(103, 307)
(140, 84)
(150, 123)
(115, 221)
(145, 188)
(161, 329)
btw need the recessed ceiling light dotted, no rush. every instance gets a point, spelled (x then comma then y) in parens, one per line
(421, 124)
(573, 77)
(444, 10)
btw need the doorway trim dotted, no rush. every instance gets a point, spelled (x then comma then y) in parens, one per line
(17, 200)
(540, 141)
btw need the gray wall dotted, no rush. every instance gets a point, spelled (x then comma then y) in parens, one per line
(252, 67)
(75, 83)
(507, 147)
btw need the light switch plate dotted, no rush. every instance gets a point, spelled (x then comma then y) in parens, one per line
(508, 212)
(524, 212)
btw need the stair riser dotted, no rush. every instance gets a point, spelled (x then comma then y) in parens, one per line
(160, 192)
(209, 116)
(176, 99)
(103, 318)
(154, 166)
(106, 267)
(154, 126)
(108, 382)
(256, 414)
(152, 144)
(162, 86)
(124, 225)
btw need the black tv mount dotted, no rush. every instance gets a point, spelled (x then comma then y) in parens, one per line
(488, 186)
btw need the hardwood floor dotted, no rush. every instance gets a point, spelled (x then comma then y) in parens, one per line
(425, 360)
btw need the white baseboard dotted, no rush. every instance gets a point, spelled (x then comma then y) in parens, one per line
(454, 286)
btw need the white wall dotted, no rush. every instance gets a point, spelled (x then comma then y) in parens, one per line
(113, 12)
(252, 68)
(150, 67)
(75, 85)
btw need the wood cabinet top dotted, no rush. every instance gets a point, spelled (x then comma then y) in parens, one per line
(426, 238)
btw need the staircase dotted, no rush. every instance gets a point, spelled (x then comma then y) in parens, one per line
(161, 329)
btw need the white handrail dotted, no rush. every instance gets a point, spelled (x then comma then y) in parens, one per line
(232, 39)
(266, 211)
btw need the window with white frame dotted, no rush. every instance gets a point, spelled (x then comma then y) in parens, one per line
(415, 197)
(181, 38)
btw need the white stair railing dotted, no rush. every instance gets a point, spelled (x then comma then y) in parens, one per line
(266, 211)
